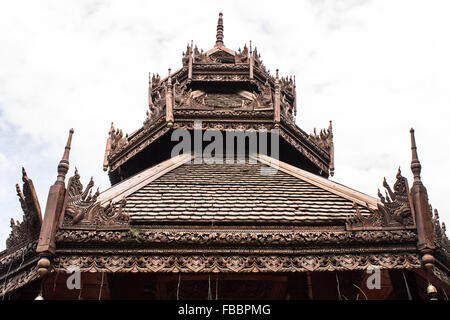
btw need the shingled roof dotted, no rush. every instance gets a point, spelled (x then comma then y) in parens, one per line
(183, 191)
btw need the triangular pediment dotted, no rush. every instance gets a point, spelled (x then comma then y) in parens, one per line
(221, 54)
(259, 190)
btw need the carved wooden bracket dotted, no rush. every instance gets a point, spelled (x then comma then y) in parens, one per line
(81, 208)
(395, 209)
(28, 230)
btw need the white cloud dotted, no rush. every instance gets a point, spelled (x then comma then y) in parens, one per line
(375, 68)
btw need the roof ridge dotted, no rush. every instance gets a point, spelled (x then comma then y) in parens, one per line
(331, 186)
(134, 183)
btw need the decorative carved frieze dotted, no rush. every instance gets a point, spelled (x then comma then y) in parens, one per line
(22, 233)
(220, 114)
(224, 68)
(223, 126)
(220, 77)
(236, 263)
(216, 237)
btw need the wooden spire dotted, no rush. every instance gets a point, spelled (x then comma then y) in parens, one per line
(252, 61)
(219, 35)
(190, 60)
(108, 147)
(330, 137)
(169, 101)
(277, 111)
(63, 165)
(422, 209)
(46, 244)
(150, 101)
(416, 167)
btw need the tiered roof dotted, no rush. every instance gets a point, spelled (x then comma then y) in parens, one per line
(175, 214)
(227, 90)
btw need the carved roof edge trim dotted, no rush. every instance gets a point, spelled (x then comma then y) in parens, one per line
(237, 263)
(173, 76)
(130, 185)
(144, 136)
(314, 148)
(234, 237)
(18, 256)
(19, 280)
(304, 150)
(331, 186)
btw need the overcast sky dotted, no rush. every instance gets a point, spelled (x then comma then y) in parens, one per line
(376, 68)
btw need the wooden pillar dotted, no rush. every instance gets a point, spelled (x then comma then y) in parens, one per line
(276, 114)
(252, 61)
(108, 147)
(422, 209)
(169, 102)
(46, 244)
(190, 61)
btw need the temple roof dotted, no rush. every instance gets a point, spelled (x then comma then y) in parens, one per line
(225, 89)
(181, 190)
(166, 213)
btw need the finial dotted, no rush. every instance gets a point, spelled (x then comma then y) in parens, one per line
(415, 164)
(63, 166)
(24, 174)
(219, 35)
(169, 78)
(276, 74)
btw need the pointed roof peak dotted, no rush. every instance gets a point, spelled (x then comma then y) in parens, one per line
(415, 163)
(63, 166)
(219, 34)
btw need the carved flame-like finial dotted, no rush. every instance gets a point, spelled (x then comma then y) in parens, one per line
(219, 35)
(415, 164)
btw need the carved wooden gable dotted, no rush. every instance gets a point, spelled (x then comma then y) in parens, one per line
(23, 233)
